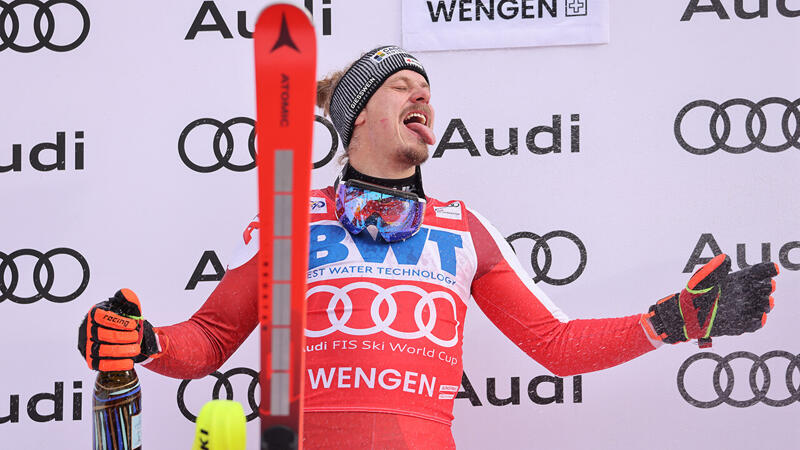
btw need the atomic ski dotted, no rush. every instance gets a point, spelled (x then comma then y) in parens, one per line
(285, 62)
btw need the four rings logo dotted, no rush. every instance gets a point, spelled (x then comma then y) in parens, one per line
(224, 157)
(759, 365)
(223, 381)
(43, 26)
(540, 244)
(436, 304)
(789, 122)
(8, 264)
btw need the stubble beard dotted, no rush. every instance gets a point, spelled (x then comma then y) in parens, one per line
(414, 154)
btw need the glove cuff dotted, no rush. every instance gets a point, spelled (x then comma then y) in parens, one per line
(666, 321)
(152, 347)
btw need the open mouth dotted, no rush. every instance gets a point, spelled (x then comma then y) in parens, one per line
(417, 123)
(415, 117)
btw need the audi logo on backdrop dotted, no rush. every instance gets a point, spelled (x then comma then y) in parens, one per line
(11, 275)
(223, 137)
(209, 18)
(748, 376)
(438, 304)
(540, 244)
(512, 385)
(788, 254)
(787, 121)
(25, 31)
(223, 381)
(538, 140)
(755, 9)
(49, 155)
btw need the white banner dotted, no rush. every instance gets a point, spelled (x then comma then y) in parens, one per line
(478, 24)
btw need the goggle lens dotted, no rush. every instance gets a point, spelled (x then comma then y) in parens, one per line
(396, 218)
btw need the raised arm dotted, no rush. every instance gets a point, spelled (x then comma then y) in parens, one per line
(203, 343)
(522, 311)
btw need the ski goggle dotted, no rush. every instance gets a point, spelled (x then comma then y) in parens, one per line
(396, 214)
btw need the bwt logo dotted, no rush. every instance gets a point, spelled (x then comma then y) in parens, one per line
(192, 140)
(40, 405)
(47, 156)
(513, 388)
(749, 131)
(210, 19)
(539, 140)
(14, 267)
(468, 11)
(739, 9)
(30, 25)
(540, 245)
(707, 240)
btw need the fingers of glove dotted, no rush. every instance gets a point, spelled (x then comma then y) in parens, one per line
(110, 319)
(110, 365)
(711, 274)
(755, 323)
(125, 302)
(756, 297)
(761, 288)
(82, 335)
(115, 350)
(106, 357)
(763, 270)
(109, 336)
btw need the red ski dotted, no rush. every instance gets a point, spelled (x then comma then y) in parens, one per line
(285, 62)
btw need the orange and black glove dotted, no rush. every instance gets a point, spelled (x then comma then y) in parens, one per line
(714, 303)
(113, 334)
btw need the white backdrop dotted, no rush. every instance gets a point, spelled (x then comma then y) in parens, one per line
(637, 201)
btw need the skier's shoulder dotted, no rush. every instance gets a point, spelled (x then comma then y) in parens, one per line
(446, 214)
(457, 210)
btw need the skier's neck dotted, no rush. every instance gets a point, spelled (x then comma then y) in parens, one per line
(412, 182)
(382, 170)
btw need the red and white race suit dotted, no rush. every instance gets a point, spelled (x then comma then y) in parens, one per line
(385, 325)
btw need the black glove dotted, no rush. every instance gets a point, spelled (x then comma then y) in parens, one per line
(113, 334)
(714, 303)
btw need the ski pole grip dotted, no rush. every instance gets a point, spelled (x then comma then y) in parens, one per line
(279, 437)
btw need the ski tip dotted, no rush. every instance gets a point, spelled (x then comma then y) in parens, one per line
(283, 7)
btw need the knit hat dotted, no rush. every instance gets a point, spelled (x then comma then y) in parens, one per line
(362, 79)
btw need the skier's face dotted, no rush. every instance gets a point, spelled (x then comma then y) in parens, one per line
(397, 122)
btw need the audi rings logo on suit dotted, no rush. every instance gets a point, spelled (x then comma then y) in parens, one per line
(319, 326)
(754, 126)
(748, 376)
(18, 33)
(42, 276)
(223, 137)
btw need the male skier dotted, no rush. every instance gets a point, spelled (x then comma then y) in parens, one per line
(391, 271)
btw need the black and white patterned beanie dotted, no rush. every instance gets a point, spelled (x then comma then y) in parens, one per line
(362, 79)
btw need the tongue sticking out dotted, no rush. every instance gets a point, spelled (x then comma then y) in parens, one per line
(425, 133)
